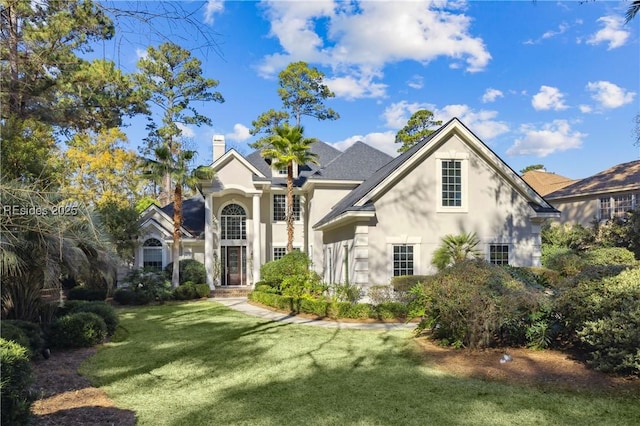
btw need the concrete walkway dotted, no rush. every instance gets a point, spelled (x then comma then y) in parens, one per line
(242, 305)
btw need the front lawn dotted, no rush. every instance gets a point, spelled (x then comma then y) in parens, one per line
(204, 364)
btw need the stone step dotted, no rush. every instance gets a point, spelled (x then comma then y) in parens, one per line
(222, 292)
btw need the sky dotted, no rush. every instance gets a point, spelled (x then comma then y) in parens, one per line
(540, 82)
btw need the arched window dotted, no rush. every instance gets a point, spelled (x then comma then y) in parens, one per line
(152, 254)
(233, 223)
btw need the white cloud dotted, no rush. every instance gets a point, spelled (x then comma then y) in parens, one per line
(141, 53)
(609, 95)
(561, 29)
(416, 82)
(383, 141)
(357, 85)
(482, 123)
(397, 114)
(548, 98)
(186, 132)
(586, 109)
(612, 33)
(212, 8)
(359, 39)
(552, 137)
(490, 95)
(240, 133)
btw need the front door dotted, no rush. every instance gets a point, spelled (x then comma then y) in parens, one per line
(234, 265)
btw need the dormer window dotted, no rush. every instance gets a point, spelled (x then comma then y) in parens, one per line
(282, 171)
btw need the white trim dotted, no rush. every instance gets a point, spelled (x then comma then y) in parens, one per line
(232, 153)
(509, 246)
(414, 242)
(344, 217)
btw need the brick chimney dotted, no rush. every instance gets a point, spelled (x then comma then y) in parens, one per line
(219, 147)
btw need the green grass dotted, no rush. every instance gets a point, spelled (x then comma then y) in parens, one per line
(203, 364)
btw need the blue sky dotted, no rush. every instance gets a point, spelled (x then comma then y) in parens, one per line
(555, 83)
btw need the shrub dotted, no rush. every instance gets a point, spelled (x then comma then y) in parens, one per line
(30, 332)
(354, 311)
(610, 323)
(274, 300)
(380, 294)
(610, 256)
(265, 288)
(294, 263)
(406, 282)
(347, 292)
(84, 293)
(190, 270)
(475, 304)
(314, 307)
(202, 290)
(78, 330)
(391, 310)
(103, 310)
(301, 285)
(565, 261)
(15, 370)
(185, 291)
(574, 237)
(454, 249)
(147, 286)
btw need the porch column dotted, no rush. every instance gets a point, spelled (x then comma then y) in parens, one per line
(208, 241)
(257, 247)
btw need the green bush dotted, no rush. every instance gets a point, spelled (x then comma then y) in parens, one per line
(146, 286)
(606, 317)
(190, 270)
(391, 310)
(565, 261)
(475, 304)
(346, 292)
(545, 276)
(9, 331)
(406, 282)
(573, 237)
(185, 291)
(314, 307)
(84, 293)
(265, 288)
(274, 300)
(78, 330)
(609, 256)
(292, 264)
(103, 310)
(15, 370)
(302, 285)
(202, 290)
(27, 334)
(354, 311)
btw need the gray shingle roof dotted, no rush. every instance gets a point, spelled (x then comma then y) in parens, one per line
(621, 177)
(358, 162)
(192, 214)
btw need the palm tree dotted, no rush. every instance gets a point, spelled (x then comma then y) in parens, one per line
(176, 165)
(41, 239)
(456, 248)
(632, 11)
(286, 146)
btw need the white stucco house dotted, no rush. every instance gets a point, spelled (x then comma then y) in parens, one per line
(360, 214)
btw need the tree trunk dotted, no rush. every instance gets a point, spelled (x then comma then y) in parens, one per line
(289, 215)
(177, 222)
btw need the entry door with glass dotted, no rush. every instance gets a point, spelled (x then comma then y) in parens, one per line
(234, 265)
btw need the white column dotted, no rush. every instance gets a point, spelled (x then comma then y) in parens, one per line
(208, 241)
(257, 247)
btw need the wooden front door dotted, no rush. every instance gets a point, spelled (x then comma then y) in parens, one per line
(234, 266)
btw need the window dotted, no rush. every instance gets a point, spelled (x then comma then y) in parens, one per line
(402, 260)
(279, 252)
(617, 206)
(499, 254)
(451, 183)
(233, 223)
(280, 207)
(152, 254)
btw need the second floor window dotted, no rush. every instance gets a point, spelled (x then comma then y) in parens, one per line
(280, 207)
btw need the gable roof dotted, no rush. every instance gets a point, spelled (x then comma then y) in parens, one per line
(358, 163)
(621, 177)
(192, 215)
(361, 198)
(544, 182)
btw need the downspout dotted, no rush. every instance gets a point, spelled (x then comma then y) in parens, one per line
(346, 264)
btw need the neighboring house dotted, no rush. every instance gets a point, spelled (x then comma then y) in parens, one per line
(544, 182)
(602, 196)
(362, 216)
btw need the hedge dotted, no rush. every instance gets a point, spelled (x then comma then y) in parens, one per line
(325, 308)
(15, 369)
(406, 282)
(77, 330)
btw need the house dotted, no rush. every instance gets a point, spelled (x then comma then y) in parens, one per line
(545, 182)
(602, 196)
(360, 215)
